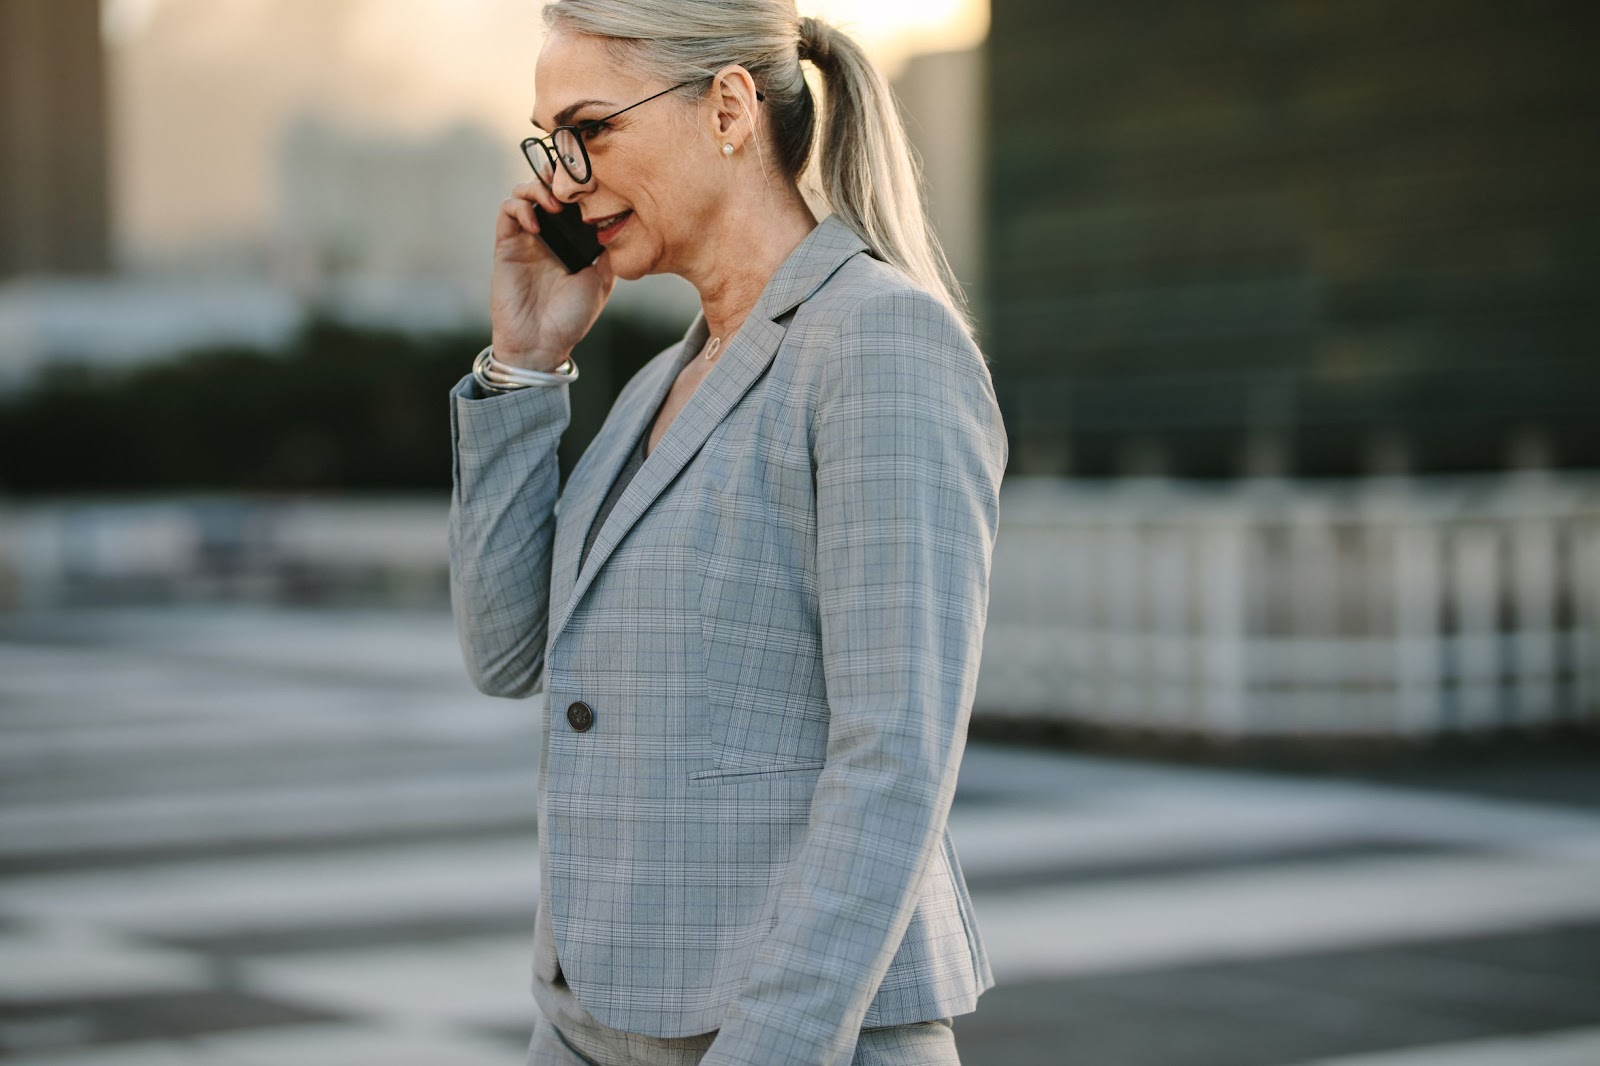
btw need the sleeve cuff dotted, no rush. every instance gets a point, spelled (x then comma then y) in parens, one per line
(484, 421)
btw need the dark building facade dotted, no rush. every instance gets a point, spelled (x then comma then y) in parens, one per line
(54, 184)
(1300, 238)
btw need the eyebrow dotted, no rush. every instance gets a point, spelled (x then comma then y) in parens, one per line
(564, 116)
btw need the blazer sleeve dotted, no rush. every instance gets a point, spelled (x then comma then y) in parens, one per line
(909, 450)
(504, 483)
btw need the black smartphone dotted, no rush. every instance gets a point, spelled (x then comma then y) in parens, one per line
(565, 233)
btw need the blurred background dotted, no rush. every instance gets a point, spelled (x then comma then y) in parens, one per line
(1285, 748)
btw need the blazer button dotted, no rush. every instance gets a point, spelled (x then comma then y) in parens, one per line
(579, 716)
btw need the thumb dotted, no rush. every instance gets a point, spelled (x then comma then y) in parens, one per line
(606, 275)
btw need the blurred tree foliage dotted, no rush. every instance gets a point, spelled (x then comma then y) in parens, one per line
(343, 409)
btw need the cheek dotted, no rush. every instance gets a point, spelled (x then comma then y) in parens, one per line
(660, 200)
(631, 175)
(674, 194)
(688, 192)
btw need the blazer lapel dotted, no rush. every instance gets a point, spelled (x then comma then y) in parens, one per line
(745, 358)
(598, 467)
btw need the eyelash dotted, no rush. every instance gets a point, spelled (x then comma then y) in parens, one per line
(589, 128)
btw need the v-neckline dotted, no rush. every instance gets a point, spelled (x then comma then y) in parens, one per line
(683, 364)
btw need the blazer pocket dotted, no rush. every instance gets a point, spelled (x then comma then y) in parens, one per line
(774, 774)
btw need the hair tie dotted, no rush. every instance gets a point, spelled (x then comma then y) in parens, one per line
(815, 40)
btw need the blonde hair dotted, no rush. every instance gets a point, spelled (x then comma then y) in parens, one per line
(869, 175)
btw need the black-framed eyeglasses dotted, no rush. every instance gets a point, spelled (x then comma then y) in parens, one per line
(565, 143)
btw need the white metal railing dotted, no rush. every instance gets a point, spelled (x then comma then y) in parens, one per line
(1379, 608)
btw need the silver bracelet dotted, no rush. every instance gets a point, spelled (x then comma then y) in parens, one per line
(495, 376)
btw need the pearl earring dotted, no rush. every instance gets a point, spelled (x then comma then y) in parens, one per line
(727, 149)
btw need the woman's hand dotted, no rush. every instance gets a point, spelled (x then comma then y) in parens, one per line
(538, 311)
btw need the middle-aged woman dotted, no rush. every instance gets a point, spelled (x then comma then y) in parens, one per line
(756, 607)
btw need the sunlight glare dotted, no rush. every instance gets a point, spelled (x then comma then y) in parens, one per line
(894, 30)
(122, 19)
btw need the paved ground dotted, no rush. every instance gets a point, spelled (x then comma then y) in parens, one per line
(251, 836)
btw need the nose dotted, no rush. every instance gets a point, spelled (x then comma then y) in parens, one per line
(565, 189)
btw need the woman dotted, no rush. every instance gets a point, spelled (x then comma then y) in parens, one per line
(757, 606)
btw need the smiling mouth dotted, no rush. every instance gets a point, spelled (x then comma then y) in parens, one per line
(609, 221)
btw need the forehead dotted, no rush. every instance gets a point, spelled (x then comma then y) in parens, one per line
(575, 69)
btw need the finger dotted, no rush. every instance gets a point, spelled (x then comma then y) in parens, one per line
(515, 216)
(538, 192)
(525, 215)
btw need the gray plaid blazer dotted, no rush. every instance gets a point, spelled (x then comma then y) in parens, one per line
(760, 680)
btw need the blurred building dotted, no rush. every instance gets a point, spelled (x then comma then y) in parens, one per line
(53, 154)
(389, 212)
(941, 94)
(371, 230)
(1255, 238)
(399, 229)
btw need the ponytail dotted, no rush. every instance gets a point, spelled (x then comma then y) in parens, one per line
(869, 172)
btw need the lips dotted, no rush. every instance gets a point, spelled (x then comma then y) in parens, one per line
(607, 220)
(611, 225)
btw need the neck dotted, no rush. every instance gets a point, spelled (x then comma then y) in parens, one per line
(740, 256)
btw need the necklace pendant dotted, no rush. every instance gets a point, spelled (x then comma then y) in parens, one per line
(713, 346)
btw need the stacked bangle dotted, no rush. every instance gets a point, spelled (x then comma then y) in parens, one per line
(495, 376)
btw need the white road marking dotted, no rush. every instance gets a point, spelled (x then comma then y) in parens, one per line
(288, 892)
(1058, 932)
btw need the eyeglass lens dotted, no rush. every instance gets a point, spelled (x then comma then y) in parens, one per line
(567, 148)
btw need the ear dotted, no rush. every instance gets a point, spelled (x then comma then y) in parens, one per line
(733, 106)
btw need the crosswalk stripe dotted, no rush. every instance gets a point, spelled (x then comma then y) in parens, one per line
(1059, 932)
(264, 815)
(303, 891)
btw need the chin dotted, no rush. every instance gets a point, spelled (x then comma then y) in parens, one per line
(630, 264)
(626, 268)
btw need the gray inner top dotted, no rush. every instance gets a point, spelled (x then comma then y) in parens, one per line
(624, 476)
(697, 337)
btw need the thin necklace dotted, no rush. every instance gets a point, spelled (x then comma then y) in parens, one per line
(713, 346)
